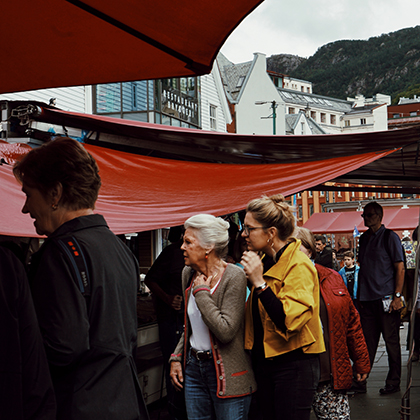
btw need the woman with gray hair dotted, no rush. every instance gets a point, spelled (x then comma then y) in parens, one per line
(210, 362)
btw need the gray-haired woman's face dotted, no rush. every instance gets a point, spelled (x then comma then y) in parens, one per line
(194, 253)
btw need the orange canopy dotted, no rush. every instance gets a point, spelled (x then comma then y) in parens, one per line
(142, 193)
(53, 43)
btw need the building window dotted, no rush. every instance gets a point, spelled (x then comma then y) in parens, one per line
(347, 123)
(333, 119)
(338, 193)
(302, 128)
(291, 110)
(302, 88)
(241, 81)
(395, 115)
(413, 113)
(310, 194)
(299, 195)
(362, 121)
(378, 195)
(308, 90)
(213, 119)
(323, 117)
(322, 193)
(313, 115)
(300, 212)
(311, 209)
(353, 194)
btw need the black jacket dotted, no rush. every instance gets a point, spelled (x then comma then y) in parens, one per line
(26, 391)
(90, 340)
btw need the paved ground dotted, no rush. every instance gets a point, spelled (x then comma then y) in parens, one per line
(369, 406)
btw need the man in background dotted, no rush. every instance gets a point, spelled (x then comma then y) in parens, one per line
(323, 252)
(381, 280)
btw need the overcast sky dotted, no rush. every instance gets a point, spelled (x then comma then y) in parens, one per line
(301, 27)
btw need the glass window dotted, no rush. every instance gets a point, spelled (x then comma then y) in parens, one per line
(108, 98)
(362, 121)
(136, 116)
(323, 117)
(213, 117)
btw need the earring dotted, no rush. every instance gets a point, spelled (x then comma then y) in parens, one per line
(54, 206)
(207, 255)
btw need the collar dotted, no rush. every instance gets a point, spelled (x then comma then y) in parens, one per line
(79, 223)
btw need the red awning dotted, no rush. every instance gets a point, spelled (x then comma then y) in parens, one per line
(53, 43)
(400, 169)
(344, 222)
(141, 193)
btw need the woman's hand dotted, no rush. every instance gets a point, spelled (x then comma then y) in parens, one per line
(201, 280)
(176, 375)
(361, 377)
(253, 268)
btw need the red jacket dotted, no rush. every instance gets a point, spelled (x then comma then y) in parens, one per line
(346, 335)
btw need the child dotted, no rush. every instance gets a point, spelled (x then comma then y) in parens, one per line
(350, 274)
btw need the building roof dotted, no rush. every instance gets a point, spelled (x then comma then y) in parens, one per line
(233, 76)
(310, 99)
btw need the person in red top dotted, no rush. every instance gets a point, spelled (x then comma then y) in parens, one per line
(344, 340)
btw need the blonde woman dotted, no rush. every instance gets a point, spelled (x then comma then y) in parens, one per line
(283, 328)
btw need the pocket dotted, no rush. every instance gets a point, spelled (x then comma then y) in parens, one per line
(239, 373)
(340, 292)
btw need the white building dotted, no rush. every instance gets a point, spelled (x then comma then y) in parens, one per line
(251, 92)
(249, 83)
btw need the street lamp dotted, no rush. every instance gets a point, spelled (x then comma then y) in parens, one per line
(274, 105)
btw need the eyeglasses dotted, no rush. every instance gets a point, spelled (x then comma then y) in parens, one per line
(364, 215)
(248, 229)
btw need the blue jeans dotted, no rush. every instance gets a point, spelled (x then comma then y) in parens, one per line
(201, 394)
(286, 385)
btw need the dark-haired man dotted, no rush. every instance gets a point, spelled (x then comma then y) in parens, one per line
(323, 252)
(381, 280)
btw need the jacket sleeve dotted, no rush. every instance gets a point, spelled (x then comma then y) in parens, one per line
(224, 321)
(297, 295)
(61, 309)
(356, 341)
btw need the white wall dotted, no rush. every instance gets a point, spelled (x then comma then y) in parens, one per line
(68, 98)
(259, 88)
(212, 94)
(380, 118)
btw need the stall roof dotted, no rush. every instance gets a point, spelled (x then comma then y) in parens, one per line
(142, 193)
(345, 222)
(400, 169)
(53, 43)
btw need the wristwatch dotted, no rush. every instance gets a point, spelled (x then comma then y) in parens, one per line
(259, 288)
(397, 294)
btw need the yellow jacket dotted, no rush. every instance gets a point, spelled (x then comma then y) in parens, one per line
(294, 281)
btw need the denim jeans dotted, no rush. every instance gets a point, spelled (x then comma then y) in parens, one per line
(201, 394)
(286, 385)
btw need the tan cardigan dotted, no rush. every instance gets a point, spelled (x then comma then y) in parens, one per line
(223, 313)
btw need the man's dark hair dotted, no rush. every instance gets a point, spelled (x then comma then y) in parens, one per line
(321, 238)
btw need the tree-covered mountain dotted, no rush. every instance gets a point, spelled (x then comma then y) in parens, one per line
(388, 64)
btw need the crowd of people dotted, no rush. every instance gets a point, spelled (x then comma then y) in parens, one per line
(272, 331)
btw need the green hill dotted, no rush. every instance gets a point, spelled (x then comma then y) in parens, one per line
(388, 64)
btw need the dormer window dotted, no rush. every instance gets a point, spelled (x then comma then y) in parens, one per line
(240, 81)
